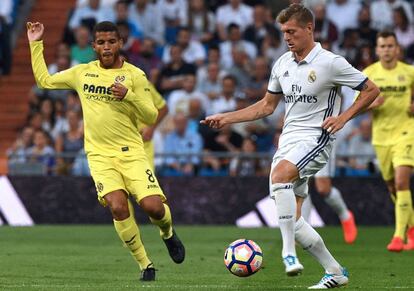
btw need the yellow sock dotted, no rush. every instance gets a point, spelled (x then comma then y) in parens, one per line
(165, 224)
(403, 210)
(128, 232)
(411, 221)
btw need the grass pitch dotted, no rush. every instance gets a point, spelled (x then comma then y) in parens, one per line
(92, 258)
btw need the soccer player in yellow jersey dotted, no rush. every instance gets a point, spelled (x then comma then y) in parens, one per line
(115, 97)
(147, 131)
(393, 132)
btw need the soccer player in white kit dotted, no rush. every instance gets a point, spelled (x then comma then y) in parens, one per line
(308, 78)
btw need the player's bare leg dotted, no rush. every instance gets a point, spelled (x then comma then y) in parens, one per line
(282, 176)
(127, 229)
(333, 198)
(403, 207)
(311, 241)
(160, 215)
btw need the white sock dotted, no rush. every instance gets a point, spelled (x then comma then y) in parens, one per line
(335, 201)
(286, 211)
(307, 208)
(311, 241)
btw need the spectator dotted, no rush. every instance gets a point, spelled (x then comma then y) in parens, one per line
(403, 30)
(41, 151)
(61, 123)
(62, 62)
(82, 52)
(35, 121)
(343, 13)
(172, 75)
(179, 99)
(18, 151)
(211, 85)
(80, 165)
(200, 21)
(240, 68)
(382, 13)
(182, 141)
(70, 142)
(366, 33)
(226, 101)
(173, 13)
(224, 140)
(6, 21)
(89, 15)
(242, 166)
(273, 47)
(195, 114)
(361, 151)
(192, 51)
(103, 3)
(122, 15)
(235, 40)
(131, 46)
(148, 19)
(324, 28)
(47, 111)
(147, 60)
(257, 86)
(256, 32)
(63, 59)
(365, 57)
(73, 102)
(213, 56)
(349, 46)
(234, 12)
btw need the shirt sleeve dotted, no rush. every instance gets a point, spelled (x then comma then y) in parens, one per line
(140, 97)
(157, 99)
(346, 75)
(62, 80)
(274, 84)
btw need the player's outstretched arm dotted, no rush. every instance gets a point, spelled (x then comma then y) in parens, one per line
(369, 93)
(258, 110)
(61, 80)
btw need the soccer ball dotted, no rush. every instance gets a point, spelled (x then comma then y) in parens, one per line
(243, 257)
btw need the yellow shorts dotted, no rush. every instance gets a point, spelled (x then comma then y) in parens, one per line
(399, 154)
(149, 151)
(131, 174)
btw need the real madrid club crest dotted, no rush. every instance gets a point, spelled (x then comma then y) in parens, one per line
(119, 79)
(401, 78)
(312, 76)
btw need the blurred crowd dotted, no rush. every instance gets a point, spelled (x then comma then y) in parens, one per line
(207, 57)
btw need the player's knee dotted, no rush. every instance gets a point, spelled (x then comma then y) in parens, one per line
(156, 212)
(119, 211)
(401, 185)
(154, 208)
(281, 177)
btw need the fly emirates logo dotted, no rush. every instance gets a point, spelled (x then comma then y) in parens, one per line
(297, 96)
(98, 93)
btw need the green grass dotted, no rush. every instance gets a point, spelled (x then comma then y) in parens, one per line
(92, 258)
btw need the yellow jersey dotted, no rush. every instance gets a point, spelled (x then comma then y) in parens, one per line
(158, 102)
(392, 118)
(111, 125)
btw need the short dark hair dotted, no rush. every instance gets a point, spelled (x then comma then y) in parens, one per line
(105, 26)
(298, 12)
(386, 33)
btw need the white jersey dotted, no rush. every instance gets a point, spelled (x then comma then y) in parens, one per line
(310, 90)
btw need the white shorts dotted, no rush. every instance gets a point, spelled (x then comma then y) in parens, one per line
(309, 154)
(330, 167)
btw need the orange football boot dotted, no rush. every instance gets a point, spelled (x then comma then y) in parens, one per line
(396, 244)
(349, 229)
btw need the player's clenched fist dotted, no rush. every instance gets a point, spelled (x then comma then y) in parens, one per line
(215, 121)
(34, 31)
(119, 91)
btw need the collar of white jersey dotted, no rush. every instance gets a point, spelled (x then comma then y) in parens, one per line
(311, 55)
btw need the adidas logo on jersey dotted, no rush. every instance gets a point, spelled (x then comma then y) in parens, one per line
(286, 74)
